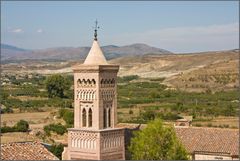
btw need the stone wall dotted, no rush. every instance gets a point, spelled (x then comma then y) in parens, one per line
(211, 157)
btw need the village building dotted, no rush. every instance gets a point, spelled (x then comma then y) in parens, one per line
(186, 121)
(26, 151)
(94, 135)
(203, 143)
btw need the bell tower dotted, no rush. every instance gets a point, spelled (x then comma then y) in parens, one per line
(94, 135)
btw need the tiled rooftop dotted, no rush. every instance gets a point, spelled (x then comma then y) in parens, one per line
(203, 139)
(213, 140)
(25, 151)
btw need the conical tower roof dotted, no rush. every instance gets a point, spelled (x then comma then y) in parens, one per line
(95, 55)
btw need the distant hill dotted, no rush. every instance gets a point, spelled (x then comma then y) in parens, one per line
(198, 72)
(9, 47)
(217, 70)
(9, 51)
(70, 53)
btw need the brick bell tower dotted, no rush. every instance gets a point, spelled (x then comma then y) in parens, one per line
(94, 136)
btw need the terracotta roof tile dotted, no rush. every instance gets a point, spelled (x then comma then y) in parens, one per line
(213, 140)
(25, 151)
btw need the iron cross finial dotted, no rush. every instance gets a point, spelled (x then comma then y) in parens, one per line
(96, 27)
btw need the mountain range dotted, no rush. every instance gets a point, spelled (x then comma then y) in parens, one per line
(9, 52)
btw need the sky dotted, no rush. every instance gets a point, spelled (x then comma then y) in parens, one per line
(180, 27)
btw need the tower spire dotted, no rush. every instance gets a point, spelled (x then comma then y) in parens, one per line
(95, 31)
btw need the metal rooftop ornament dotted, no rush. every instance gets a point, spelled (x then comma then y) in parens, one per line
(96, 27)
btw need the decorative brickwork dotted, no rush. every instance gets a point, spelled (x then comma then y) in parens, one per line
(94, 135)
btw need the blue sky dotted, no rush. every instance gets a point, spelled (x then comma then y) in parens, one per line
(185, 26)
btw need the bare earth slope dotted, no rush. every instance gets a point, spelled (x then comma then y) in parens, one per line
(192, 72)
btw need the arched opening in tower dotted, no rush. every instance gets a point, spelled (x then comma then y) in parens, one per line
(109, 117)
(104, 118)
(84, 120)
(90, 117)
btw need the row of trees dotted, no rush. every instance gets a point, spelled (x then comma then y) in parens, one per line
(21, 126)
(57, 128)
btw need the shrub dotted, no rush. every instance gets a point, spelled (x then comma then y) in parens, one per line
(68, 117)
(6, 129)
(148, 115)
(130, 112)
(6, 110)
(57, 150)
(57, 128)
(21, 126)
(127, 78)
(198, 124)
(158, 79)
(61, 112)
(209, 125)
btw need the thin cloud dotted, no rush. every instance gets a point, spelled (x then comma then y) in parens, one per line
(187, 39)
(39, 30)
(18, 30)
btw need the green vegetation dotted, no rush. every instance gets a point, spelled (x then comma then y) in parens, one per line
(6, 110)
(67, 115)
(21, 126)
(56, 85)
(126, 79)
(57, 128)
(157, 142)
(157, 79)
(57, 150)
(154, 100)
(143, 101)
(36, 105)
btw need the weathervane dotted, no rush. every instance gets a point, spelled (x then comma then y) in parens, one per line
(96, 27)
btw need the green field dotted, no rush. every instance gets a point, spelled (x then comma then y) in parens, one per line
(139, 100)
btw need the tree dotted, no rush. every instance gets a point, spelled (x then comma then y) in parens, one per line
(68, 117)
(148, 115)
(56, 85)
(157, 142)
(57, 128)
(57, 150)
(22, 126)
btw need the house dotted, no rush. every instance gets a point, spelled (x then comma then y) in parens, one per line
(202, 143)
(26, 151)
(185, 121)
(210, 143)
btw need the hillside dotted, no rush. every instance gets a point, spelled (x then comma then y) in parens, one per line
(8, 51)
(71, 53)
(191, 72)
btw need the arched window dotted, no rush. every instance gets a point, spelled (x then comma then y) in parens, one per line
(88, 82)
(101, 82)
(85, 82)
(84, 115)
(109, 117)
(79, 82)
(104, 118)
(90, 117)
(93, 81)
